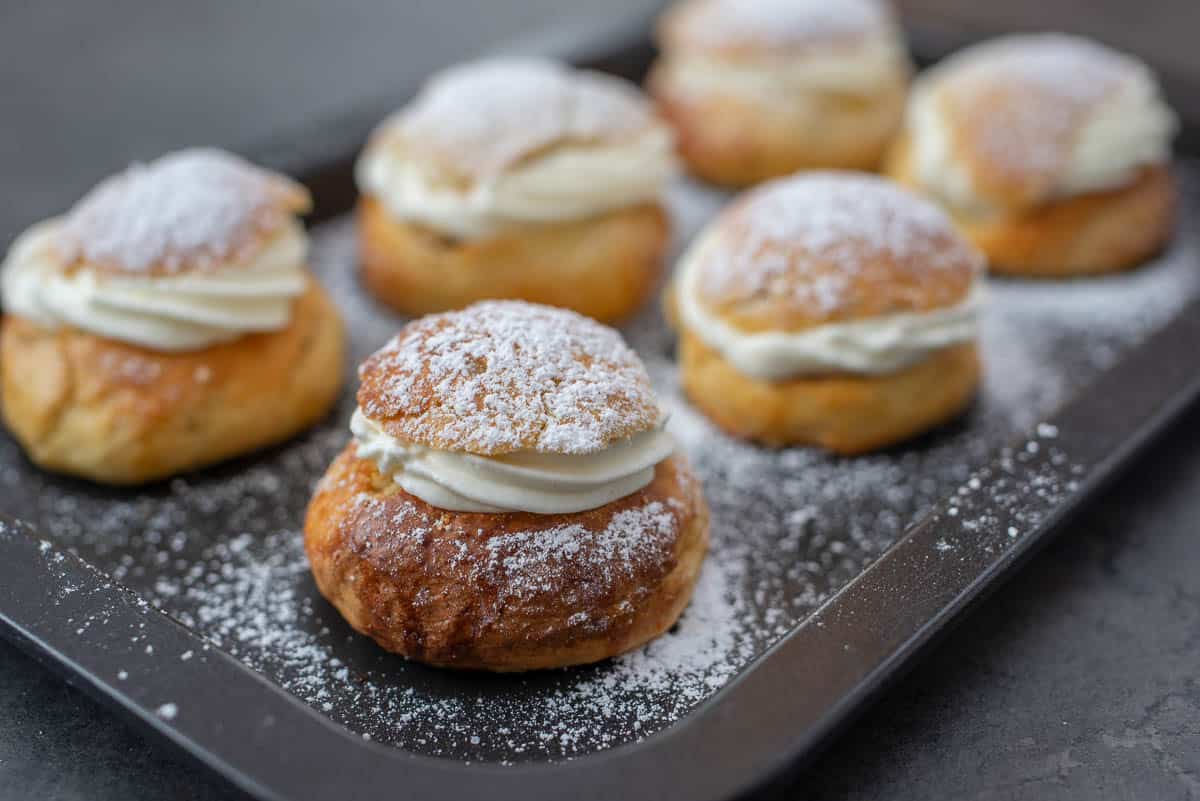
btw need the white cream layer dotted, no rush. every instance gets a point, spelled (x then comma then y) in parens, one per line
(568, 183)
(1129, 130)
(167, 313)
(860, 68)
(872, 346)
(519, 482)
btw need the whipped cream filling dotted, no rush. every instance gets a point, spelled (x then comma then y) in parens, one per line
(873, 346)
(542, 483)
(567, 183)
(1129, 130)
(168, 313)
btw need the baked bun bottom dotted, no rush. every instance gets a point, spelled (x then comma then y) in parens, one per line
(604, 267)
(843, 413)
(1095, 233)
(732, 142)
(121, 414)
(505, 592)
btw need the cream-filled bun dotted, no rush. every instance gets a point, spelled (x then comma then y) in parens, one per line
(517, 179)
(833, 309)
(1051, 151)
(165, 322)
(762, 88)
(510, 500)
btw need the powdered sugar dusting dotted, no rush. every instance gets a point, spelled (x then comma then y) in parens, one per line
(190, 209)
(1024, 97)
(717, 23)
(576, 569)
(527, 563)
(486, 116)
(222, 552)
(503, 376)
(811, 237)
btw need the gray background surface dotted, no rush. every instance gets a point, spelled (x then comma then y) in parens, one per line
(1076, 681)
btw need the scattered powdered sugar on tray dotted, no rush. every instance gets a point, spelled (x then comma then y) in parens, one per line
(221, 550)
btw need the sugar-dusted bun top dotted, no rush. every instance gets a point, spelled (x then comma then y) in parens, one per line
(481, 118)
(505, 376)
(192, 210)
(734, 26)
(829, 246)
(1035, 115)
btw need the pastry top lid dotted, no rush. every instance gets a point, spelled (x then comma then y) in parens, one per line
(746, 26)
(824, 247)
(1015, 106)
(484, 117)
(192, 210)
(506, 376)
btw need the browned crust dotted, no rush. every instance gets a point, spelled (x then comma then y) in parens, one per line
(461, 381)
(1094, 233)
(257, 235)
(936, 269)
(973, 116)
(470, 131)
(286, 199)
(605, 267)
(734, 142)
(454, 170)
(121, 414)
(1015, 108)
(423, 583)
(844, 413)
(881, 284)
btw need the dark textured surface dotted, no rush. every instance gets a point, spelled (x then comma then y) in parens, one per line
(1075, 681)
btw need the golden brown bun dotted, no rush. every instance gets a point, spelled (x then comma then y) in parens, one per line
(194, 210)
(829, 247)
(817, 249)
(844, 413)
(121, 414)
(604, 266)
(1099, 232)
(733, 142)
(479, 119)
(507, 376)
(477, 591)
(1013, 113)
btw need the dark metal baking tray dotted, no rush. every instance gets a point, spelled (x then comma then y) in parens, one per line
(188, 605)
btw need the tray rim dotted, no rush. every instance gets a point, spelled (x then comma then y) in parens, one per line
(239, 739)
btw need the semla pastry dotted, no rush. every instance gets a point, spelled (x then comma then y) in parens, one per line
(166, 322)
(518, 179)
(831, 309)
(1050, 151)
(510, 500)
(757, 89)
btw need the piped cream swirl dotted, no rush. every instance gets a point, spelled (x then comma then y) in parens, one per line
(571, 181)
(177, 312)
(872, 346)
(542, 483)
